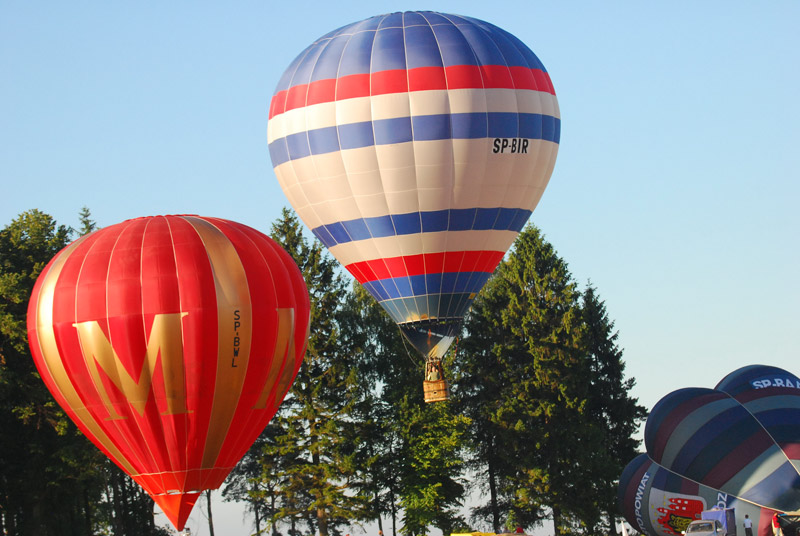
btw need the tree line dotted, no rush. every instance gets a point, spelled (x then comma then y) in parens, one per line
(539, 426)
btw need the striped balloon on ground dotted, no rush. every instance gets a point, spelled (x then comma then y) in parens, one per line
(734, 446)
(415, 146)
(170, 341)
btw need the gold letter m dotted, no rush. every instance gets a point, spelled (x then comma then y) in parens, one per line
(165, 341)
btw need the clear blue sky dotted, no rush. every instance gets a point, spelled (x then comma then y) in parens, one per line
(675, 191)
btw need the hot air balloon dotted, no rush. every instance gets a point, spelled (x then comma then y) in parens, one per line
(415, 146)
(170, 341)
(732, 448)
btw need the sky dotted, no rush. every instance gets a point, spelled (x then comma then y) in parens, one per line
(675, 191)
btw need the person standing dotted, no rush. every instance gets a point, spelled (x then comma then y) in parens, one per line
(748, 525)
(776, 526)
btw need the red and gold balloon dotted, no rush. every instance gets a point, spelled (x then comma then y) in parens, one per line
(170, 341)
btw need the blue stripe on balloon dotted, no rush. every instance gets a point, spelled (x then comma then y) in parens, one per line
(655, 431)
(435, 221)
(327, 65)
(389, 131)
(419, 128)
(782, 424)
(431, 39)
(722, 433)
(323, 140)
(298, 146)
(470, 126)
(692, 446)
(278, 151)
(431, 127)
(388, 51)
(780, 489)
(673, 481)
(406, 223)
(454, 46)
(413, 19)
(354, 57)
(391, 20)
(355, 135)
(464, 219)
(660, 479)
(420, 285)
(422, 50)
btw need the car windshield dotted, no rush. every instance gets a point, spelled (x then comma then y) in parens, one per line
(700, 527)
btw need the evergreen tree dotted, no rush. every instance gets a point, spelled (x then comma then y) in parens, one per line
(53, 481)
(547, 406)
(87, 223)
(374, 342)
(609, 404)
(538, 382)
(318, 411)
(488, 367)
(431, 487)
(255, 481)
(414, 450)
(37, 489)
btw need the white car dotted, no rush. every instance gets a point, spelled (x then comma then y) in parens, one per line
(705, 527)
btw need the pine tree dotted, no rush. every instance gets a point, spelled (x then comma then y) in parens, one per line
(486, 369)
(431, 488)
(610, 403)
(542, 382)
(414, 450)
(317, 413)
(87, 223)
(255, 481)
(36, 435)
(374, 343)
(53, 481)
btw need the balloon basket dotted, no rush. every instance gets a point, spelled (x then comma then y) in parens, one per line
(435, 390)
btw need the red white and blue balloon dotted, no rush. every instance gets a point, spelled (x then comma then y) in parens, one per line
(415, 146)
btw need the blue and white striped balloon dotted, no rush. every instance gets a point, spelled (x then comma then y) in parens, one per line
(415, 146)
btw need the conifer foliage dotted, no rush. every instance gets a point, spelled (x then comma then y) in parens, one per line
(541, 420)
(542, 380)
(53, 481)
(317, 473)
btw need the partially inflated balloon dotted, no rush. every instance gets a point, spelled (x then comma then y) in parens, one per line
(415, 146)
(736, 446)
(170, 341)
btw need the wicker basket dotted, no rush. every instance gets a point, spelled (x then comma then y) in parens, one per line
(436, 390)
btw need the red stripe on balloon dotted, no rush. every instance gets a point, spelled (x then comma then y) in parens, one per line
(736, 459)
(194, 281)
(318, 92)
(791, 450)
(688, 487)
(756, 394)
(673, 419)
(426, 79)
(425, 263)
(346, 87)
(402, 81)
(387, 82)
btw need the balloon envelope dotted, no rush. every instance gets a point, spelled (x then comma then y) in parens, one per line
(170, 341)
(415, 146)
(734, 446)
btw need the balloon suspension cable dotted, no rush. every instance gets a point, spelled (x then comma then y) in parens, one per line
(403, 338)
